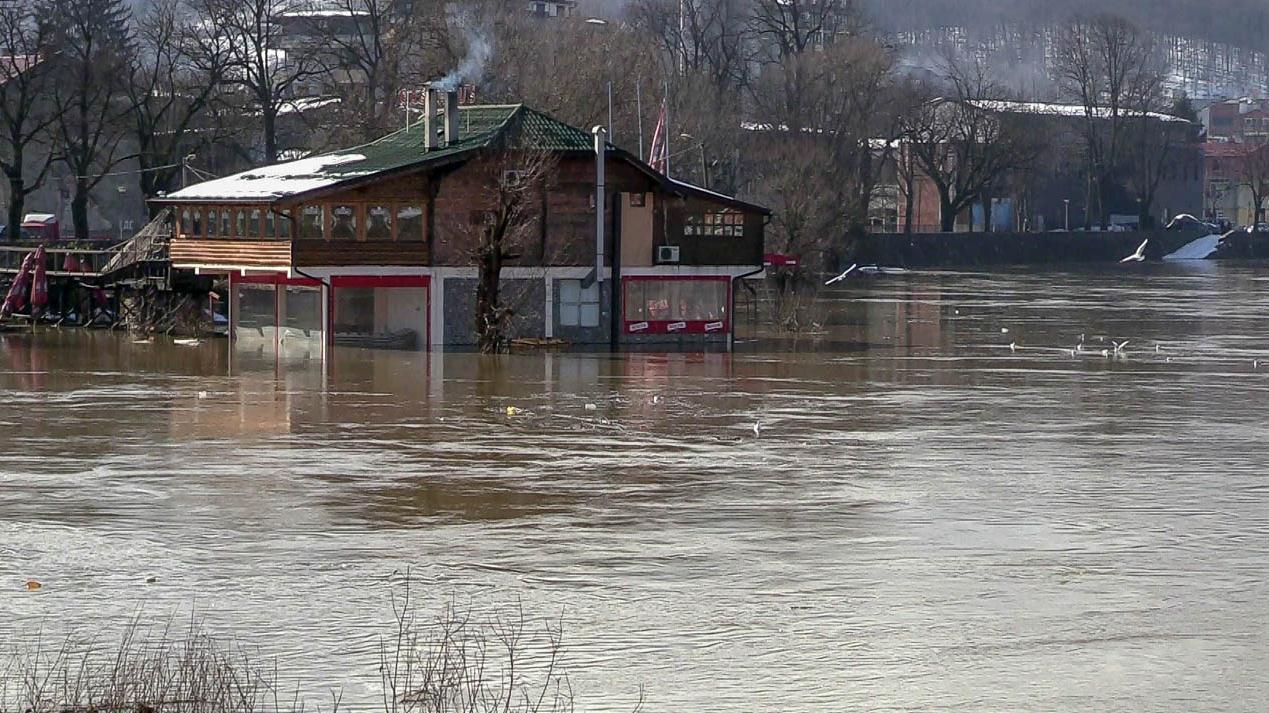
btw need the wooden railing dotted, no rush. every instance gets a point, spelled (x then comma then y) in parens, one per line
(90, 262)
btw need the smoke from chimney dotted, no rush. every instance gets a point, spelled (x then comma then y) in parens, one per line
(479, 50)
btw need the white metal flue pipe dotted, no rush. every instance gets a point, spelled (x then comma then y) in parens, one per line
(601, 151)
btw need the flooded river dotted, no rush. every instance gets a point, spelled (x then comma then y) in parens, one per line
(930, 519)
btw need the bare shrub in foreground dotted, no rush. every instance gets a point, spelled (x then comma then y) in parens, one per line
(457, 664)
(145, 673)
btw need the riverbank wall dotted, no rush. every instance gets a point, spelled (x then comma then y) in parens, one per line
(934, 250)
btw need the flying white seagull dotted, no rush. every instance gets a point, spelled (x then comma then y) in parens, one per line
(842, 276)
(1138, 256)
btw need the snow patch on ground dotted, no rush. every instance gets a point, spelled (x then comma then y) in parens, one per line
(1199, 249)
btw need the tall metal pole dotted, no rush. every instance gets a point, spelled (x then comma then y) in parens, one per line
(610, 108)
(639, 116)
(601, 150)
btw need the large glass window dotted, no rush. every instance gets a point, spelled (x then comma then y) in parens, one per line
(579, 306)
(303, 308)
(312, 218)
(186, 222)
(343, 222)
(213, 222)
(257, 307)
(226, 223)
(381, 317)
(254, 220)
(409, 223)
(283, 225)
(197, 226)
(675, 300)
(378, 222)
(242, 230)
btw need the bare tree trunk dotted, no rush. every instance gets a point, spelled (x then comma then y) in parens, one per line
(987, 227)
(17, 203)
(270, 136)
(947, 218)
(909, 204)
(488, 312)
(79, 210)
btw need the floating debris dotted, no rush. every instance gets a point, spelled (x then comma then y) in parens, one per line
(32, 585)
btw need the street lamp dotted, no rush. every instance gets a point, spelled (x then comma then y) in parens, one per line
(1066, 210)
(704, 167)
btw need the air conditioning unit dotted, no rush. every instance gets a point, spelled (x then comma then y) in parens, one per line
(667, 254)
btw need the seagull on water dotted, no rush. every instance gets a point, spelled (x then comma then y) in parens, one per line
(757, 429)
(1138, 256)
(1119, 346)
(842, 276)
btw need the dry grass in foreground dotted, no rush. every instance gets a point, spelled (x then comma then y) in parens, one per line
(453, 663)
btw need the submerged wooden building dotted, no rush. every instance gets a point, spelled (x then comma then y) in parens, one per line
(370, 246)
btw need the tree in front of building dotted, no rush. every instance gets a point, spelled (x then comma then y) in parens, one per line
(1115, 72)
(93, 48)
(1251, 171)
(509, 185)
(26, 115)
(966, 144)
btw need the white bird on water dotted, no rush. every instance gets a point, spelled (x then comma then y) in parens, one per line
(757, 429)
(1138, 256)
(842, 276)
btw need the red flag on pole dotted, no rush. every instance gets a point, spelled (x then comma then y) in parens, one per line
(657, 157)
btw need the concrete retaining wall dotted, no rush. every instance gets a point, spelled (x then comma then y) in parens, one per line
(981, 249)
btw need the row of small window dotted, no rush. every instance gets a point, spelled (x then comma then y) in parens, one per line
(676, 300)
(727, 224)
(341, 222)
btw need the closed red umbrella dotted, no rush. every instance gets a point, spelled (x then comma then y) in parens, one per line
(39, 282)
(71, 263)
(15, 300)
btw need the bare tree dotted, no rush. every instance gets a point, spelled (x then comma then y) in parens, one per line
(262, 64)
(701, 37)
(1251, 172)
(375, 48)
(1114, 71)
(94, 52)
(456, 663)
(175, 75)
(1151, 151)
(501, 225)
(967, 142)
(26, 115)
(786, 28)
(818, 160)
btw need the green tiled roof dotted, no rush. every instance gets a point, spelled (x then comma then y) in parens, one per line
(479, 127)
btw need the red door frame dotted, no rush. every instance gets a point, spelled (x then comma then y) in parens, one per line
(277, 279)
(372, 281)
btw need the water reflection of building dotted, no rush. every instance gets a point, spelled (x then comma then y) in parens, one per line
(911, 318)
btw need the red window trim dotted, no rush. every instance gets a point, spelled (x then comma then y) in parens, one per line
(676, 326)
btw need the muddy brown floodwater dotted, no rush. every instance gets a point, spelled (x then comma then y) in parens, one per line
(930, 520)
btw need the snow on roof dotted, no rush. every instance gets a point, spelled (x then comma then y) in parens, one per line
(38, 218)
(693, 188)
(325, 12)
(276, 181)
(1051, 109)
(303, 104)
